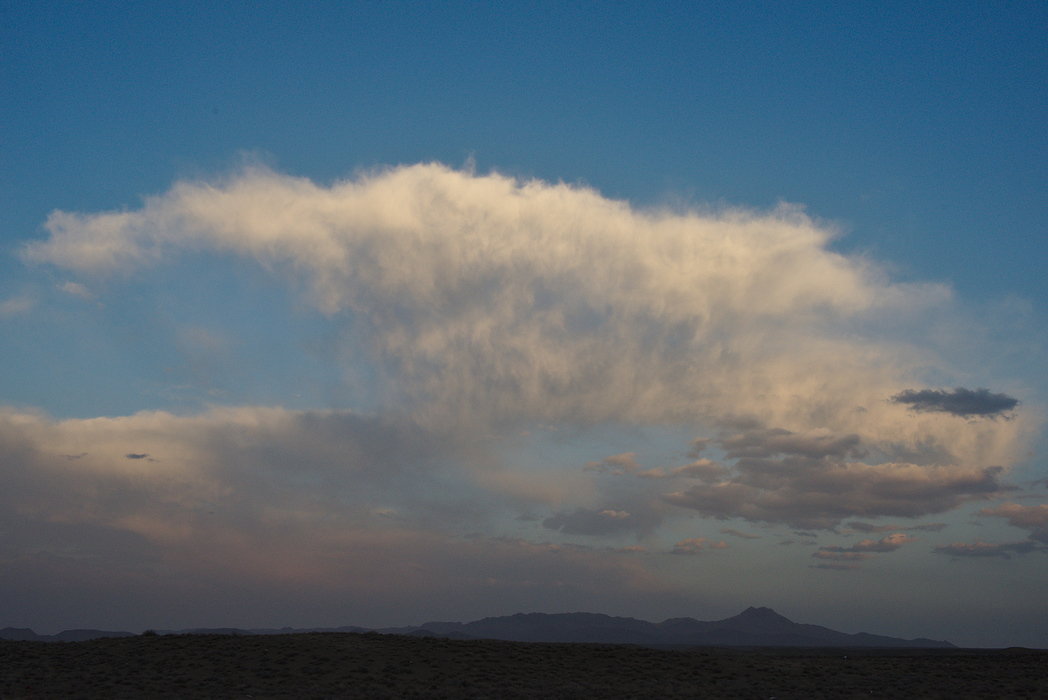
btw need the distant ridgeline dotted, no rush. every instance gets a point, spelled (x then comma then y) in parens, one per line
(754, 627)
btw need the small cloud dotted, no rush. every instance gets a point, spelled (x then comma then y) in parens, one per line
(704, 469)
(986, 549)
(607, 521)
(690, 546)
(786, 542)
(384, 512)
(133, 455)
(835, 566)
(718, 545)
(959, 402)
(868, 528)
(1032, 518)
(736, 533)
(697, 446)
(841, 556)
(79, 456)
(78, 290)
(804, 533)
(632, 549)
(888, 544)
(625, 463)
(15, 306)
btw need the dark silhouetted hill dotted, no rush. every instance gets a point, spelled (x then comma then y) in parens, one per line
(753, 627)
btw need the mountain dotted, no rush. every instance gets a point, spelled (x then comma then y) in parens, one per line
(22, 634)
(753, 627)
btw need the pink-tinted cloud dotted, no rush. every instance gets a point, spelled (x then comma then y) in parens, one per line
(1032, 518)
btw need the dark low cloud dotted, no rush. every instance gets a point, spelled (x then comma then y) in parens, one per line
(960, 402)
(986, 549)
(869, 529)
(835, 566)
(807, 482)
(695, 545)
(603, 521)
(736, 533)
(132, 455)
(841, 556)
(1031, 518)
(762, 443)
(887, 544)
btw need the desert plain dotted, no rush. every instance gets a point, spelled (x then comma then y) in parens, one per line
(348, 665)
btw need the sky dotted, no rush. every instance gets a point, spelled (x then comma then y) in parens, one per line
(382, 313)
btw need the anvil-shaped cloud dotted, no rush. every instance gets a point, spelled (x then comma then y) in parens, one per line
(487, 305)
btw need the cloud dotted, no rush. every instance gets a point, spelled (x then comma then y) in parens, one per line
(824, 553)
(487, 298)
(625, 463)
(275, 505)
(736, 533)
(984, 549)
(959, 402)
(835, 566)
(695, 545)
(816, 444)
(867, 528)
(1032, 518)
(78, 290)
(606, 521)
(861, 551)
(16, 306)
(702, 469)
(888, 544)
(806, 481)
(485, 303)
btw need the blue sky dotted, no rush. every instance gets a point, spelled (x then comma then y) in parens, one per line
(458, 311)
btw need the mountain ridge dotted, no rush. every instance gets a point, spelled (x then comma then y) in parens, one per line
(753, 627)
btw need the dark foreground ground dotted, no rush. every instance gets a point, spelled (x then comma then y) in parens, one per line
(332, 665)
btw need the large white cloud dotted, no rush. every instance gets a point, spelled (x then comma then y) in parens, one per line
(488, 301)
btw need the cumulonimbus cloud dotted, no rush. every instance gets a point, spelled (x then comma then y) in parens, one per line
(485, 300)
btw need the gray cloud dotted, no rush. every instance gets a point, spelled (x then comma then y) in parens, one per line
(868, 528)
(807, 482)
(736, 533)
(959, 402)
(835, 566)
(1031, 518)
(887, 544)
(825, 553)
(984, 549)
(604, 521)
(758, 443)
(695, 545)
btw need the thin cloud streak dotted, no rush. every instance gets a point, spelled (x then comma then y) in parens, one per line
(959, 402)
